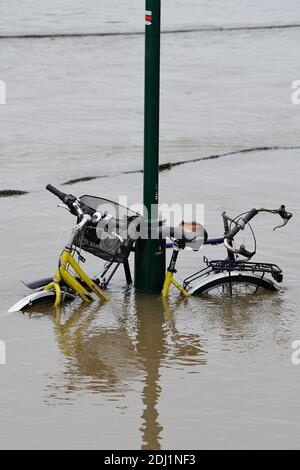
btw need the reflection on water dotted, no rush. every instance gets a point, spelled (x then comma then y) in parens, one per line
(151, 346)
(110, 349)
(111, 357)
(239, 318)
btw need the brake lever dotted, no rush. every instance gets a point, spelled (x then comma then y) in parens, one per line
(283, 225)
(286, 216)
(63, 207)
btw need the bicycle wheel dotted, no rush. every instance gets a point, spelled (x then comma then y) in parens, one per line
(45, 298)
(233, 285)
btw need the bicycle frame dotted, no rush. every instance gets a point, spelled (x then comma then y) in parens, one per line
(169, 278)
(62, 274)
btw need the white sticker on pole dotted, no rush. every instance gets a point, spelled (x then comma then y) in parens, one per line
(148, 17)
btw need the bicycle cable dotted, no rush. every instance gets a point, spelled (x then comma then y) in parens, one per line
(59, 237)
(247, 223)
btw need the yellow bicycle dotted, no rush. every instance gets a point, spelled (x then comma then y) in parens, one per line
(69, 280)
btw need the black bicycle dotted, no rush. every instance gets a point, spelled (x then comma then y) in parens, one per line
(236, 274)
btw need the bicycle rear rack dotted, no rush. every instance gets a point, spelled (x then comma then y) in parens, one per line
(217, 266)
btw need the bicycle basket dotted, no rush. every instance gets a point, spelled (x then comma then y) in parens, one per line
(100, 240)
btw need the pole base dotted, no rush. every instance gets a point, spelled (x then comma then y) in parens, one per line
(150, 265)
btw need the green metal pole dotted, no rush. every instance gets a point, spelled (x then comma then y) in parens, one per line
(150, 253)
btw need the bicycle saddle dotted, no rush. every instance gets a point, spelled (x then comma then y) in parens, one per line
(190, 233)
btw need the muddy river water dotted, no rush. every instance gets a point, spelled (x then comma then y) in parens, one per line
(138, 372)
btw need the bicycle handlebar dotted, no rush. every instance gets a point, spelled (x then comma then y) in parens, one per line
(62, 196)
(69, 200)
(76, 207)
(243, 221)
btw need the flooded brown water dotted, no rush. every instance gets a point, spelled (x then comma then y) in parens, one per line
(138, 372)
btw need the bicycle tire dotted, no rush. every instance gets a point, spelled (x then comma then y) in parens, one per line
(38, 298)
(236, 279)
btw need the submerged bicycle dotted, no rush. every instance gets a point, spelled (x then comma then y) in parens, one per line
(96, 231)
(108, 231)
(232, 275)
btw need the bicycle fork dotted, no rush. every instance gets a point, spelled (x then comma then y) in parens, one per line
(62, 274)
(169, 279)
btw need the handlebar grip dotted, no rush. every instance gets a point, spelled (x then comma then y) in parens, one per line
(62, 196)
(249, 216)
(284, 214)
